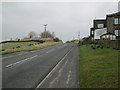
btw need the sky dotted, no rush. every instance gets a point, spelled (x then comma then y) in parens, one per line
(66, 19)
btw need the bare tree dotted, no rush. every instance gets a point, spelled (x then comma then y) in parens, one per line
(46, 34)
(32, 34)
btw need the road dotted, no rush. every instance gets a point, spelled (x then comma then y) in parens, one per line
(53, 67)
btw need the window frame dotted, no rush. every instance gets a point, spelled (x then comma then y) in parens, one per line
(116, 21)
(116, 32)
(101, 25)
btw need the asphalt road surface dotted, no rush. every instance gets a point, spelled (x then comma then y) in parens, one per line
(53, 67)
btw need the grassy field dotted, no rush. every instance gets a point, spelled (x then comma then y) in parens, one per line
(98, 68)
(24, 46)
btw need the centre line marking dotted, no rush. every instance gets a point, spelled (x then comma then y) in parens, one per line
(6, 57)
(20, 61)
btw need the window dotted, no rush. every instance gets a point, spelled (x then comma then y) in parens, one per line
(114, 38)
(107, 36)
(117, 21)
(103, 37)
(100, 25)
(99, 32)
(116, 32)
(92, 32)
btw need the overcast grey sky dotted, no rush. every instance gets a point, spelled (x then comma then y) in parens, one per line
(66, 19)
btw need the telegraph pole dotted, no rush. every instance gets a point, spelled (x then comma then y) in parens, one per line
(45, 25)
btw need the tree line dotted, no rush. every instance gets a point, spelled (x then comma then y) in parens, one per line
(45, 34)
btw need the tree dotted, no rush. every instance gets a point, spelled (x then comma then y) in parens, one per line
(32, 34)
(46, 34)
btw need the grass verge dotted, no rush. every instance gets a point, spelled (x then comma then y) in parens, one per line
(98, 68)
(24, 46)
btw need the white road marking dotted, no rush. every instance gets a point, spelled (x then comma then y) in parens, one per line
(20, 61)
(6, 57)
(33, 51)
(59, 74)
(50, 51)
(49, 74)
(68, 78)
(13, 55)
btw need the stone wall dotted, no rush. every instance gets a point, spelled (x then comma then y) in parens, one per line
(115, 44)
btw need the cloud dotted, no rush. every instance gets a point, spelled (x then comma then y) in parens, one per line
(65, 19)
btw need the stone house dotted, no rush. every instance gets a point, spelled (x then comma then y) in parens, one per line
(113, 24)
(109, 25)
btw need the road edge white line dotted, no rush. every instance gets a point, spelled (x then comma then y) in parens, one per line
(53, 69)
